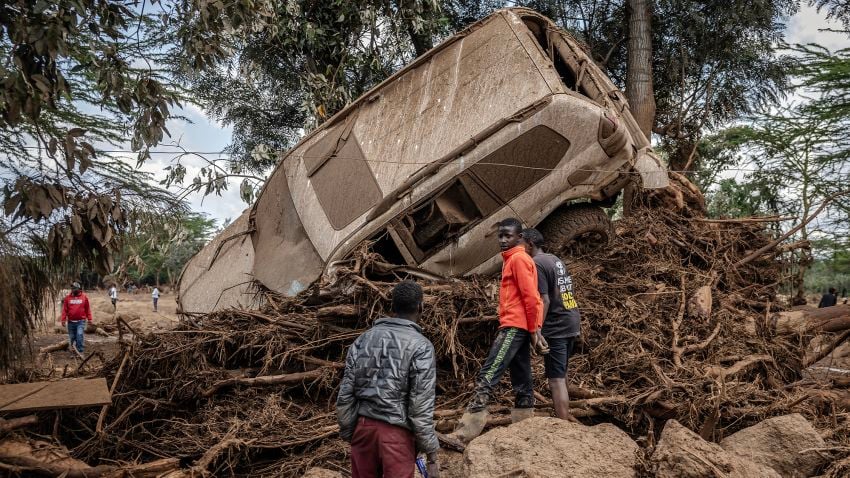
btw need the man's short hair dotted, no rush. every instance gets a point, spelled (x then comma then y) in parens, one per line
(407, 295)
(513, 222)
(832, 290)
(533, 237)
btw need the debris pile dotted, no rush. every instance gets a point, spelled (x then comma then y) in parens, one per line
(675, 325)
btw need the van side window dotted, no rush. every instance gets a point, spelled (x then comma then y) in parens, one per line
(486, 187)
(343, 181)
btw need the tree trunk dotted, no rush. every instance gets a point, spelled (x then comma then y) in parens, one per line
(827, 319)
(639, 87)
(422, 41)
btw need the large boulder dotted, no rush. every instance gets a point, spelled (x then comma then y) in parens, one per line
(681, 453)
(780, 443)
(552, 448)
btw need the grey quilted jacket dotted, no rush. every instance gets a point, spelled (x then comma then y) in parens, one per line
(390, 375)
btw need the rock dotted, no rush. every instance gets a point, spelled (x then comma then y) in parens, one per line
(551, 448)
(699, 304)
(681, 453)
(128, 317)
(316, 472)
(778, 443)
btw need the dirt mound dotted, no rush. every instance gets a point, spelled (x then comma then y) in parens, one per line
(681, 453)
(552, 448)
(788, 444)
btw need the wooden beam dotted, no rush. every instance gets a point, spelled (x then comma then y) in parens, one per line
(20, 397)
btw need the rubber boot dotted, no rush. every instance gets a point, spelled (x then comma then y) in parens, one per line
(470, 426)
(520, 414)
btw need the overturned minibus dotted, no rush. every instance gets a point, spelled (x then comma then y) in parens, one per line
(508, 118)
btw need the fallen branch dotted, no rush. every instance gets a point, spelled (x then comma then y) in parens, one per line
(827, 319)
(739, 366)
(337, 311)
(264, 380)
(38, 467)
(209, 457)
(678, 350)
(791, 246)
(475, 320)
(755, 255)
(54, 348)
(15, 423)
(320, 362)
(705, 343)
(746, 220)
(102, 416)
(823, 352)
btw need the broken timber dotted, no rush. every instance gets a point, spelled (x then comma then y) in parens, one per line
(73, 393)
(827, 319)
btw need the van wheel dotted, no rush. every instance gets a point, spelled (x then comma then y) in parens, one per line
(576, 229)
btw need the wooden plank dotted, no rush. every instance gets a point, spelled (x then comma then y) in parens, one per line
(72, 393)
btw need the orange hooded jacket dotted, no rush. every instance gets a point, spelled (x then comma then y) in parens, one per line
(519, 301)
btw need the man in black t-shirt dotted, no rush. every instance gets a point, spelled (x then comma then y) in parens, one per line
(829, 299)
(561, 319)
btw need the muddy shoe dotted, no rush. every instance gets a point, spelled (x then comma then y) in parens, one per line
(470, 426)
(520, 414)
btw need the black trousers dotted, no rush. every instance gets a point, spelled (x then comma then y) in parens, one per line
(511, 350)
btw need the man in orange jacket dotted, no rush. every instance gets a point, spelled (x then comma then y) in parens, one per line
(76, 311)
(520, 318)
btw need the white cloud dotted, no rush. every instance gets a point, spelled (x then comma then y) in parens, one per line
(808, 26)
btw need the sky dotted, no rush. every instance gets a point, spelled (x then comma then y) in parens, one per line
(206, 135)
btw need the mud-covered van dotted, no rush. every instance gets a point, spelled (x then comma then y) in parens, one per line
(509, 118)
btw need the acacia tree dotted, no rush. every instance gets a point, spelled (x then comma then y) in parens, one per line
(76, 76)
(157, 254)
(793, 150)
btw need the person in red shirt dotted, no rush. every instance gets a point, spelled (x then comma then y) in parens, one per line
(76, 312)
(520, 318)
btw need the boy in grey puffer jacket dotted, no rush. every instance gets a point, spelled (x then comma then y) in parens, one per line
(385, 406)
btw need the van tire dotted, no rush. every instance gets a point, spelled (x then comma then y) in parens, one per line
(576, 229)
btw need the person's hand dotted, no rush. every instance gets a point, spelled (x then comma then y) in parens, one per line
(63, 323)
(539, 344)
(542, 344)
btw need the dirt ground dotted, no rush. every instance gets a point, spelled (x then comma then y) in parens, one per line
(135, 309)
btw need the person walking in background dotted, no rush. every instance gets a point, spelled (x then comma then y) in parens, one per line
(385, 406)
(520, 317)
(829, 299)
(113, 296)
(561, 319)
(76, 311)
(155, 297)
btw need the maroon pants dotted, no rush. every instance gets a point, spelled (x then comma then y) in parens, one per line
(381, 450)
